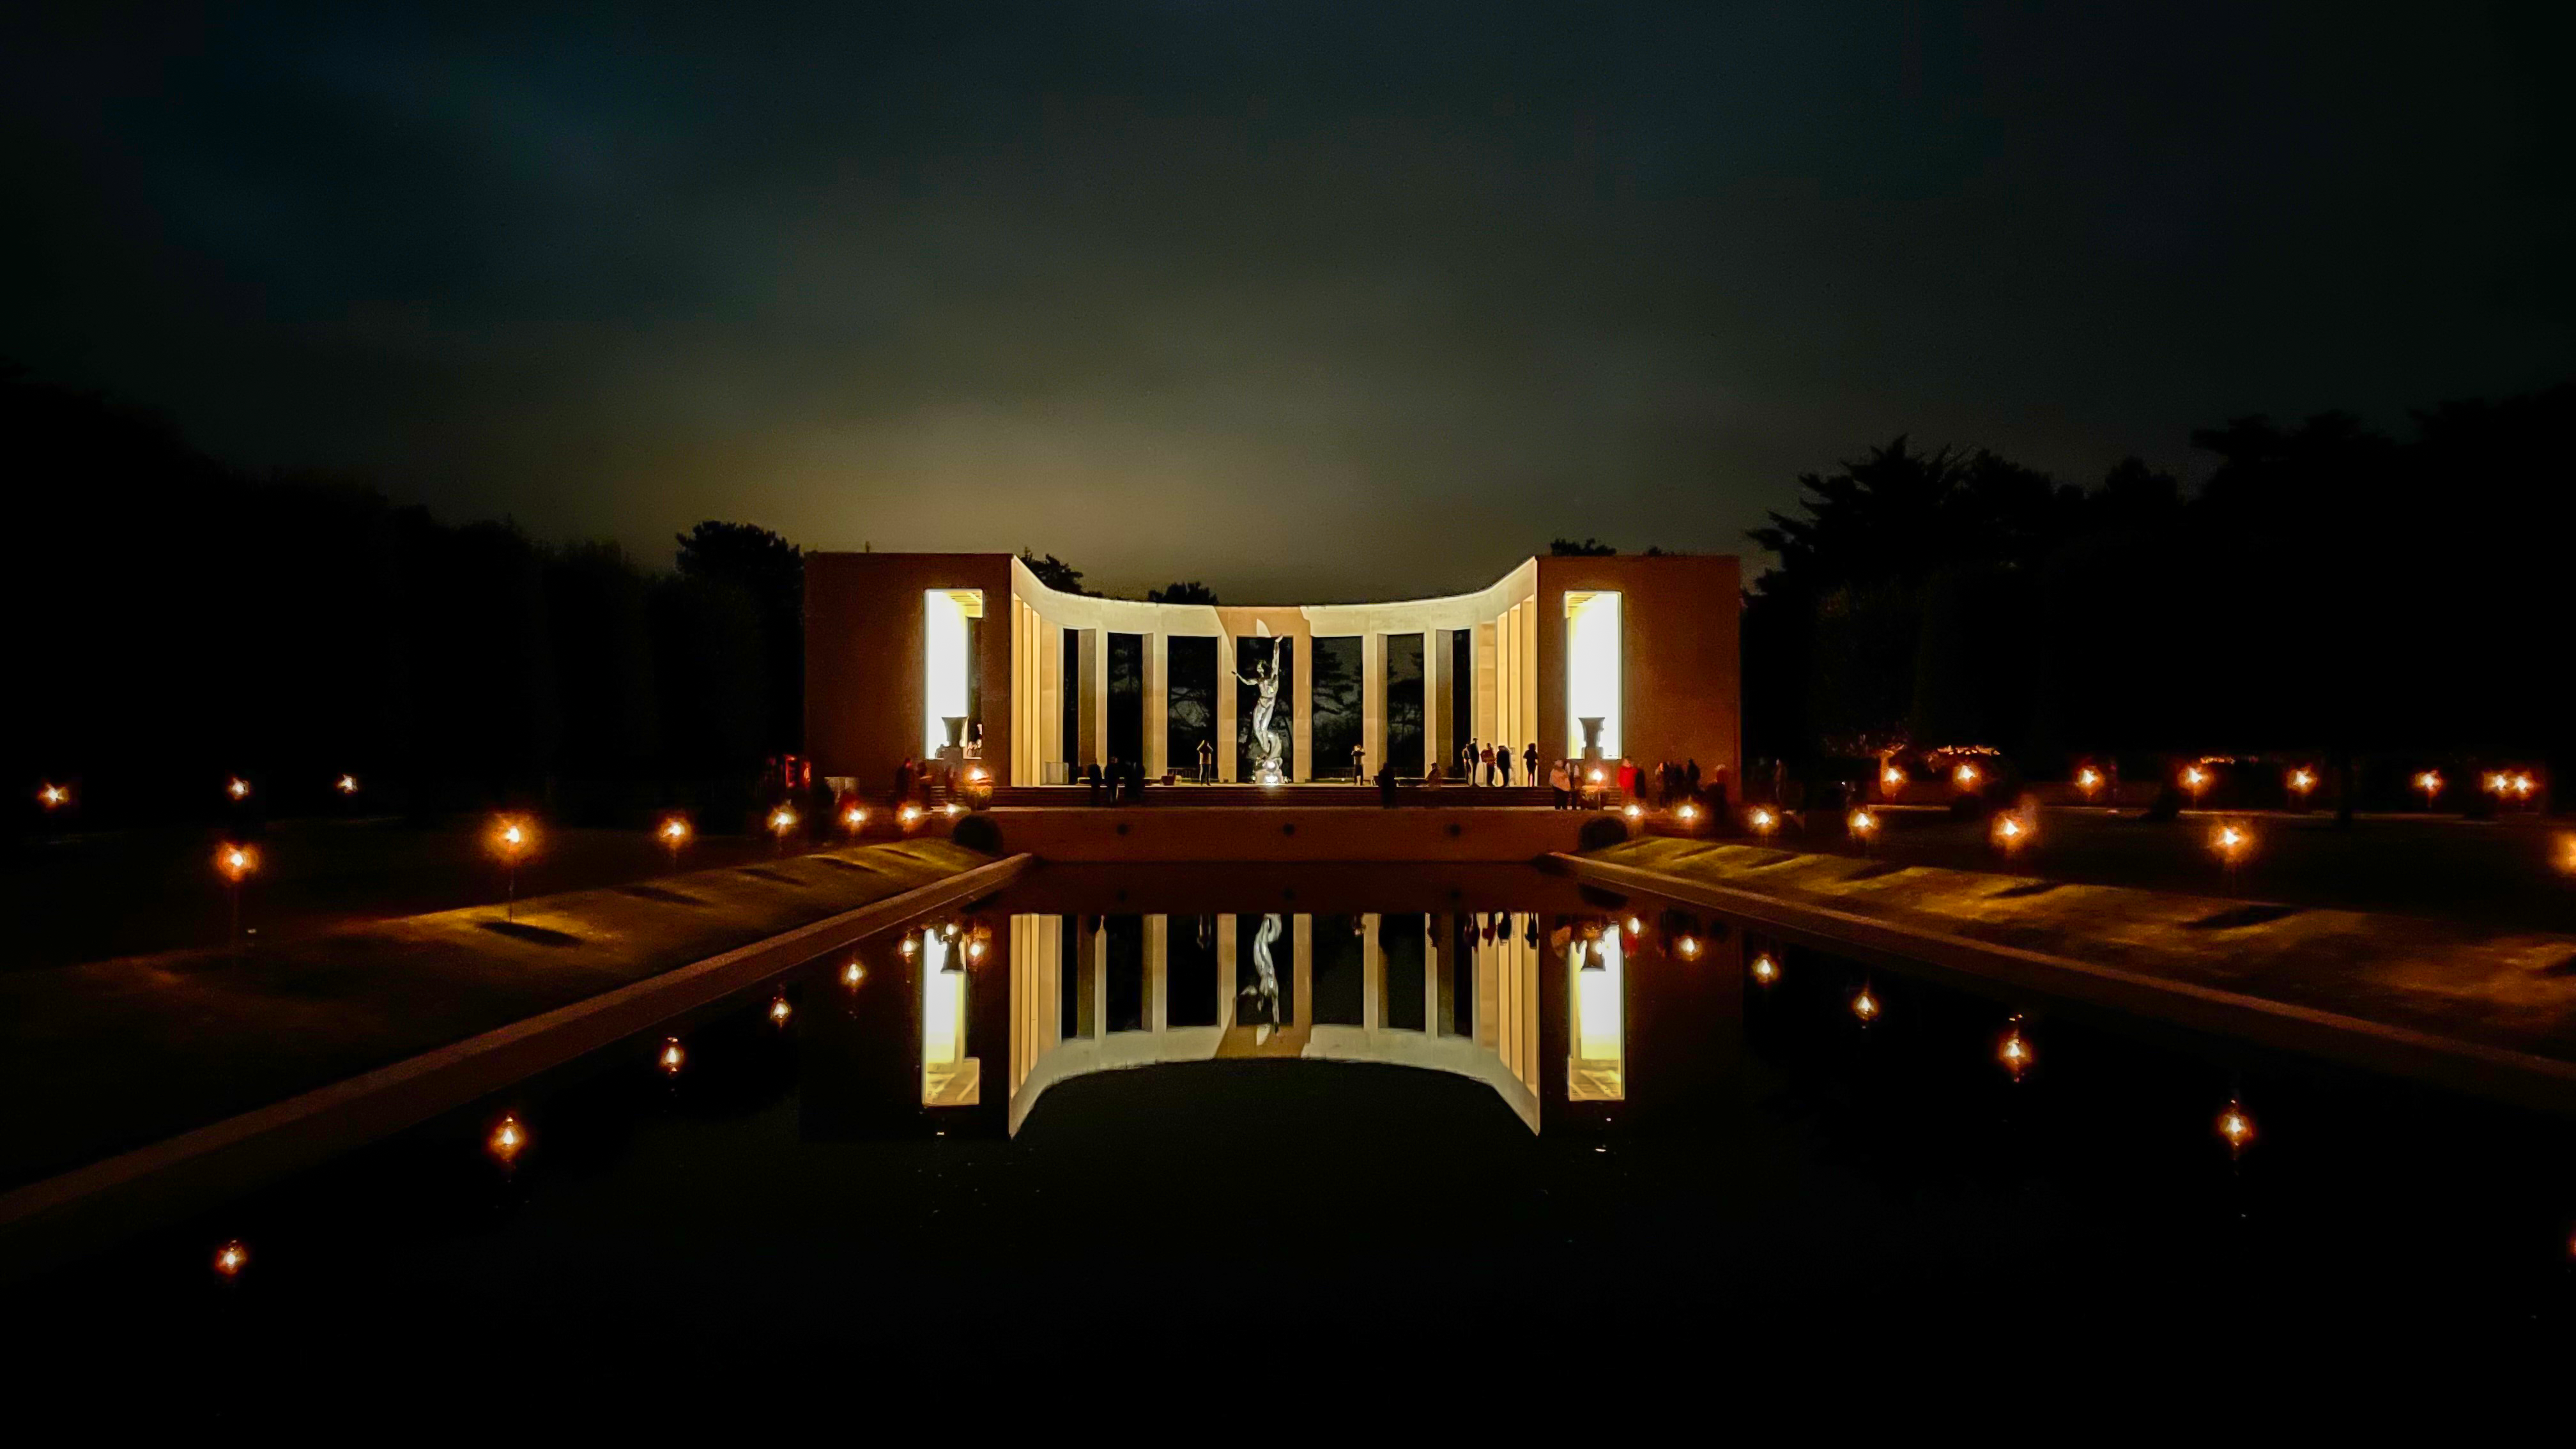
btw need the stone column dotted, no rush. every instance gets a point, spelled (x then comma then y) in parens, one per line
(1486, 694)
(1228, 948)
(1050, 730)
(1227, 713)
(1158, 996)
(1302, 932)
(1372, 974)
(1372, 701)
(1158, 702)
(1301, 704)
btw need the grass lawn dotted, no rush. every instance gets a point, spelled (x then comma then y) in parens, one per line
(101, 1057)
(85, 897)
(2488, 873)
(2500, 987)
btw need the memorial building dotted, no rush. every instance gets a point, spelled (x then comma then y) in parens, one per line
(969, 656)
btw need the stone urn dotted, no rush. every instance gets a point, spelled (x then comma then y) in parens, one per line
(956, 724)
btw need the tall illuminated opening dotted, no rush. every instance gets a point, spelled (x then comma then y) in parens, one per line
(1592, 679)
(1598, 1068)
(945, 664)
(949, 1077)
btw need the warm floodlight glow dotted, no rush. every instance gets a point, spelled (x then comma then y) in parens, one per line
(1687, 813)
(231, 1258)
(1597, 1033)
(508, 1140)
(1593, 683)
(945, 667)
(910, 948)
(2195, 779)
(977, 776)
(782, 820)
(2522, 786)
(347, 784)
(2010, 833)
(675, 831)
(2231, 842)
(1686, 947)
(2430, 782)
(672, 1056)
(1862, 823)
(952, 809)
(2235, 1126)
(1635, 811)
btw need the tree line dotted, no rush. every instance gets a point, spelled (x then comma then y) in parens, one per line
(182, 622)
(2328, 588)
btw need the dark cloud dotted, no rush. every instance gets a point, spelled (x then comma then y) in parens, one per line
(1306, 300)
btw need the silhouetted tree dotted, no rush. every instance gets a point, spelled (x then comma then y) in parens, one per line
(1054, 572)
(1589, 548)
(770, 572)
(1192, 592)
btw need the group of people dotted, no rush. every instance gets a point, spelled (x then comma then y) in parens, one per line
(1124, 780)
(1494, 762)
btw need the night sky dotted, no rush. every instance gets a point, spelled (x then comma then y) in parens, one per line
(1309, 301)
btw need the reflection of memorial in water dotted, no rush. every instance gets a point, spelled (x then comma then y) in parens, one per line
(1612, 1002)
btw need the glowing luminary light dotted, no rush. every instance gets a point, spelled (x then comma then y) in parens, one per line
(1862, 823)
(1636, 926)
(977, 776)
(1865, 1006)
(2430, 782)
(910, 815)
(2088, 780)
(346, 784)
(508, 1140)
(2015, 1051)
(1593, 684)
(2231, 842)
(853, 974)
(231, 1259)
(1687, 813)
(672, 1056)
(513, 837)
(952, 809)
(1686, 947)
(1635, 811)
(1766, 969)
(1965, 777)
(2235, 1126)
(2195, 779)
(235, 861)
(1763, 822)
(2303, 779)
(2522, 786)
(2497, 782)
(853, 819)
(1892, 778)
(237, 787)
(780, 1010)
(910, 948)
(782, 820)
(2010, 833)
(675, 831)
(53, 797)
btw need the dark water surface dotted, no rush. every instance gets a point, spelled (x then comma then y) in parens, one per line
(1467, 1120)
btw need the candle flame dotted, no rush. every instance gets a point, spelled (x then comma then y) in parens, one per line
(779, 1010)
(231, 1258)
(509, 1140)
(672, 1056)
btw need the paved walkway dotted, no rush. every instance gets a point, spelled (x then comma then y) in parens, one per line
(2498, 993)
(99, 1058)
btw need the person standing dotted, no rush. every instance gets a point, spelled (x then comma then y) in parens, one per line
(1503, 766)
(1359, 763)
(1207, 762)
(1529, 762)
(1557, 783)
(1485, 758)
(1467, 763)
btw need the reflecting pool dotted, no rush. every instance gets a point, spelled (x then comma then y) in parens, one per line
(1232, 1121)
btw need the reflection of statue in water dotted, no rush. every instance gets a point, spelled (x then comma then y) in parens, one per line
(1264, 990)
(1265, 677)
